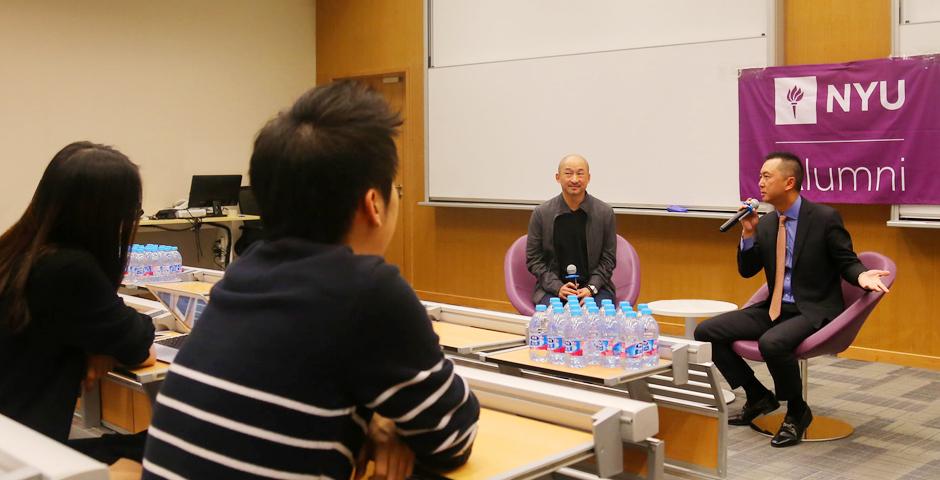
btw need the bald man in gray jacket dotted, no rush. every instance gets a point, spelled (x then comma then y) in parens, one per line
(573, 228)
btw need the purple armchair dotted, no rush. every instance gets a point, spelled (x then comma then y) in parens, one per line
(520, 284)
(834, 337)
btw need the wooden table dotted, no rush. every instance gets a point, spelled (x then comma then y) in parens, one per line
(146, 222)
(214, 221)
(464, 339)
(519, 358)
(510, 446)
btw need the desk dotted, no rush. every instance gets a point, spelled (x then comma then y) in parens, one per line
(686, 415)
(464, 339)
(496, 452)
(196, 222)
(146, 222)
(519, 358)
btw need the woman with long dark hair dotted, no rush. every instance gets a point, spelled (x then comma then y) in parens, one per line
(61, 263)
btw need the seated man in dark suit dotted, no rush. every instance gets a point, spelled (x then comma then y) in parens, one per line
(803, 249)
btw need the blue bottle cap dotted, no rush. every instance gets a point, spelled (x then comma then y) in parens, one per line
(540, 308)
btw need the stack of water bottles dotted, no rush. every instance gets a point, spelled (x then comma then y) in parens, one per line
(153, 263)
(602, 335)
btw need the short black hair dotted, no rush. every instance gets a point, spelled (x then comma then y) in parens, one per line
(790, 165)
(313, 164)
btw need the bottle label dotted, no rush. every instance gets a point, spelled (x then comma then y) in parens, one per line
(635, 350)
(652, 347)
(600, 345)
(611, 347)
(617, 350)
(573, 348)
(537, 342)
(556, 345)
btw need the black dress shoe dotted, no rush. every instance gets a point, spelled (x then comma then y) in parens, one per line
(754, 409)
(792, 430)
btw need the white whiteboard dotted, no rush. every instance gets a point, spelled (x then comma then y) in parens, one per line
(646, 91)
(477, 31)
(918, 33)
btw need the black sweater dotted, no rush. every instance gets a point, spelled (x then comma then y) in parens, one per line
(75, 312)
(299, 345)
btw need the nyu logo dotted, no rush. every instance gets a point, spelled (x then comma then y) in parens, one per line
(795, 100)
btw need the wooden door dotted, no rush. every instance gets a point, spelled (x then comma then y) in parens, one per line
(392, 87)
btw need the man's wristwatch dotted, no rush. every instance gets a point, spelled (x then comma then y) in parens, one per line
(593, 289)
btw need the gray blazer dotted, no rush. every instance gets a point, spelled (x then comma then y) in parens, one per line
(601, 239)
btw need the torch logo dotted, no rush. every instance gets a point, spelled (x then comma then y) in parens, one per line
(795, 100)
(794, 96)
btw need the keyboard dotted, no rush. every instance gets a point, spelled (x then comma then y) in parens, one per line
(172, 342)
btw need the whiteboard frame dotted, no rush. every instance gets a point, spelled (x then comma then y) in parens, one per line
(775, 55)
(896, 220)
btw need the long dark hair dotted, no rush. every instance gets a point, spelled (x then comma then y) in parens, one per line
(88, 198)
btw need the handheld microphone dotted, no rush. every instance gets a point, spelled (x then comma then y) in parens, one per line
(572, 274)
(750, 207)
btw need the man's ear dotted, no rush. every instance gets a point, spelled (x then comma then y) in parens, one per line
(373, 207)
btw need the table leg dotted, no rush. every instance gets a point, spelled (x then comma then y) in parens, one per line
(91, 407)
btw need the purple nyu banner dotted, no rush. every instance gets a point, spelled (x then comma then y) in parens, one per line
(867, 132)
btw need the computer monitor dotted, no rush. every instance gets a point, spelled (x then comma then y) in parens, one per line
(214, 191)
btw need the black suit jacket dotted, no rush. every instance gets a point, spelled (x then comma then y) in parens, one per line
(822, 252)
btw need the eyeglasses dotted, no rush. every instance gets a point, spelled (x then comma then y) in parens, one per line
(401, 191)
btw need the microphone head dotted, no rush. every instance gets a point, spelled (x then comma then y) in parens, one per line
(572, 269)
(753, 203)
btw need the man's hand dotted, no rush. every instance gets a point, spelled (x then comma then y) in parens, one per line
(393, 459)
(97, 367)
(748, 223)
(567, 289)
(584, 292)
(871, 280)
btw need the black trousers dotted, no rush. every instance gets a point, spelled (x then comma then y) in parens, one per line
(777, 341)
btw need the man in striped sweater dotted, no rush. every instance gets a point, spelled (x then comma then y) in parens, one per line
(314, 354)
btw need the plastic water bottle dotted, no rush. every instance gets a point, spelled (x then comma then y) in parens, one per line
(556, 335)
(650, 338)
(575, 339)
(129, 277)
(594, 344)
(605, 302)
(624, 306)
(633, 344)
(146, 264)
(176, 265)
(538, 346)
(136, 265)
(611, 335)
(572, 301)
(160, 267)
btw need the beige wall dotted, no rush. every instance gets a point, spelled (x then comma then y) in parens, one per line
(180, 86)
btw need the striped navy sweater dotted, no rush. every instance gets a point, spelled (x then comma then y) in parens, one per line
(299, 345)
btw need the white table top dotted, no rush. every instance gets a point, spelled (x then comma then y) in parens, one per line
(691, 308)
